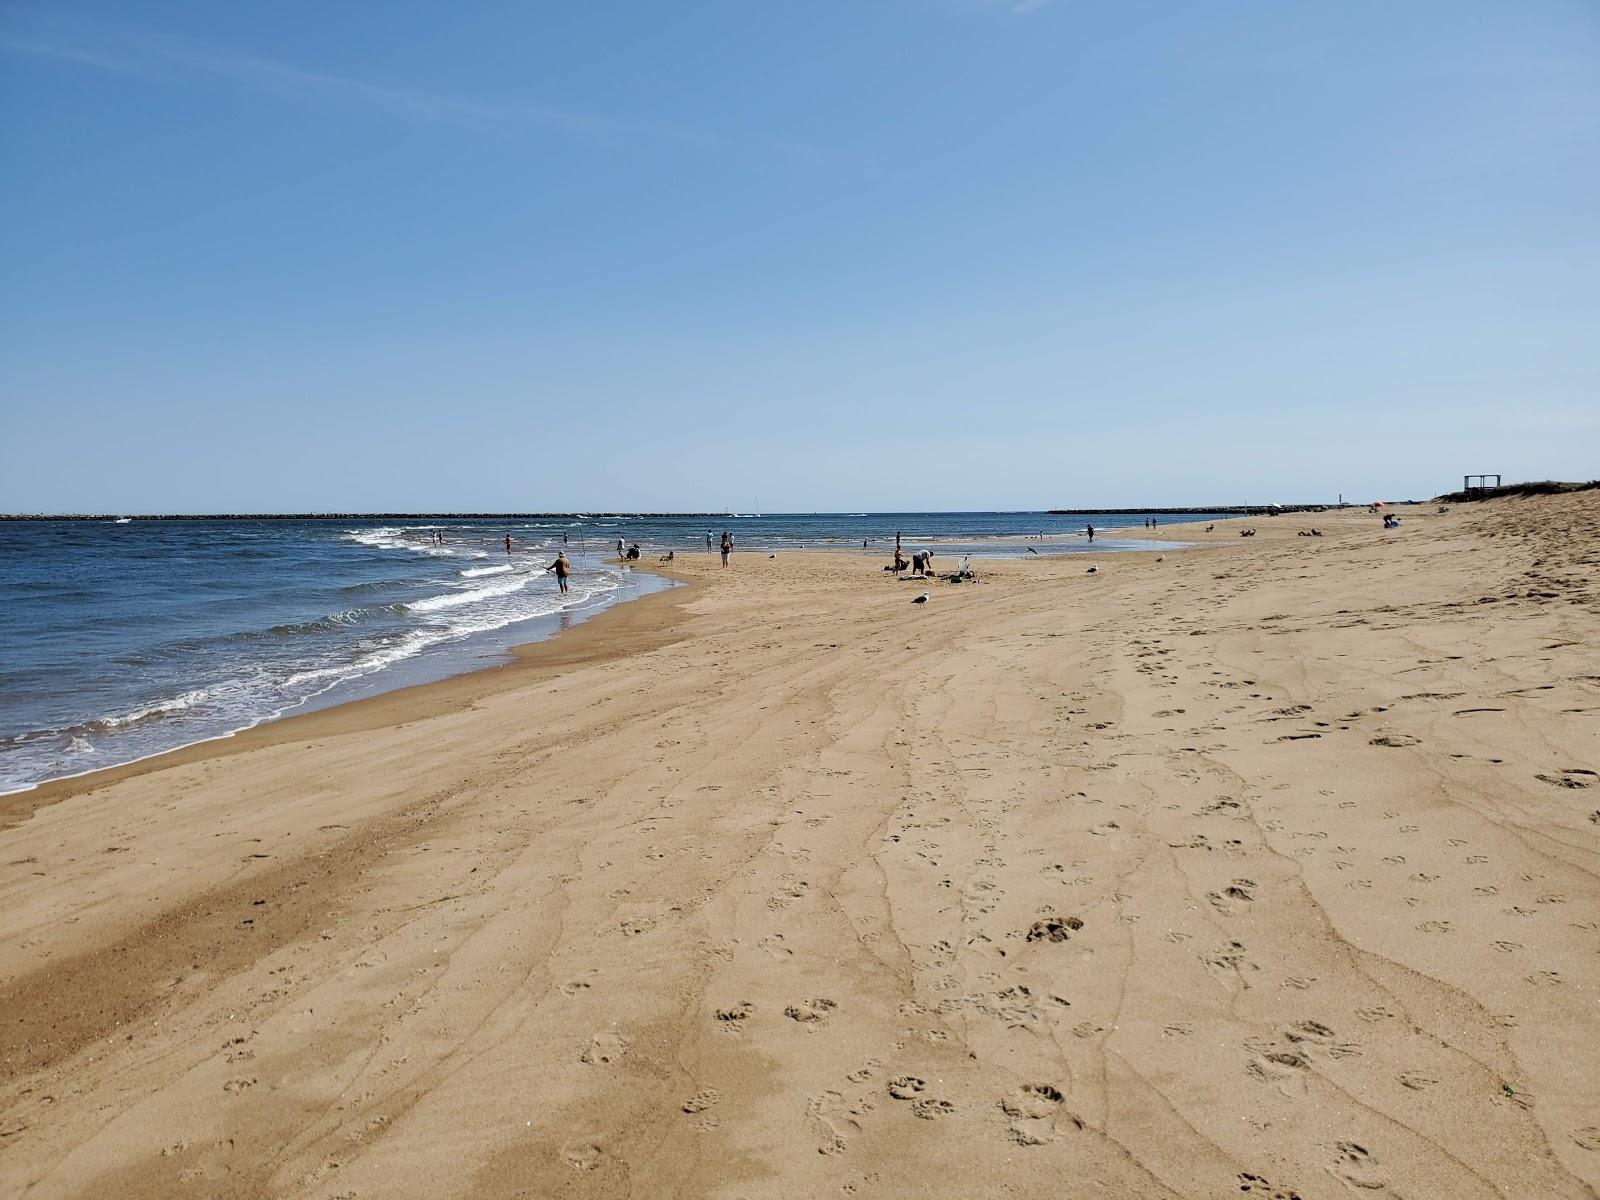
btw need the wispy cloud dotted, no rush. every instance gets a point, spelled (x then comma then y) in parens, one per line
(180, 60)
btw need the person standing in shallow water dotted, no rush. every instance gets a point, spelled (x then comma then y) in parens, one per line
(562, 568)
(508, 543)
(727, 546)
(1090, 528)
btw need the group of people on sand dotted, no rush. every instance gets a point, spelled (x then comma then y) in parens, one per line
(726, 546)
(562, 566)
(920, 565)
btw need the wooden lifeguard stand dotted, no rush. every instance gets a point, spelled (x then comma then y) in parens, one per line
(1483, 484)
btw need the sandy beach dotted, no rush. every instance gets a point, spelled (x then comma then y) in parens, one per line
(1267, 867)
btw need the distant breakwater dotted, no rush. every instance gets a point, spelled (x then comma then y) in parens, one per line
(1233, 510)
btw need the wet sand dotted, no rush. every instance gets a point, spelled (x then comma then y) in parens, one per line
(1271, 868)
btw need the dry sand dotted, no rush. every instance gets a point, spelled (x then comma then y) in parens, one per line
(1268, 869)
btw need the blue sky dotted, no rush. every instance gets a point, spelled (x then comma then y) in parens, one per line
(885, 254)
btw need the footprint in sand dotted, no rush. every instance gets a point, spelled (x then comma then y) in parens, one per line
(1285, 1069)
(1036, 1114)
(1230, 959)
(788, 894)
(932, 1110)
(1053, 929)
(906, 1087)
(1240, 891)
(1570, 777)
(1396, 740)
(1257, 1185)
(582, 1154)
(1355, 1167)
(810, 1012)
(733, 1014)
(701, 1101)
(773, 944)
(700, 1104)
(836, 1119)
(604, 1048)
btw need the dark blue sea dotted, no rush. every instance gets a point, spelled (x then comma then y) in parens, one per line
(122, 639)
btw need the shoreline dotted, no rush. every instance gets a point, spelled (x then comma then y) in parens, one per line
(46, 791)
(407, 702)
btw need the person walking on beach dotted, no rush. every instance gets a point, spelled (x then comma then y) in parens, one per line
(708, 541)
(621, 549)
(1090, 528)
(562, 568)
(508, 543)
(727, 546)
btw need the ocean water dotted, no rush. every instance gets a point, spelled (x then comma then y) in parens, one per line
(119, 640)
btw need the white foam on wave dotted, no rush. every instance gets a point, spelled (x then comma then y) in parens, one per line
(474, 572)
(501, 587)
(506, 602)
(380, 539)
(162, 708)
(410, 644)
(392, 537)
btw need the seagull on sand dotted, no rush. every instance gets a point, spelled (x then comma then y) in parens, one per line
(922, 599)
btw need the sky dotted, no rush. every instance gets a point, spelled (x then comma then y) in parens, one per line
(890, 255)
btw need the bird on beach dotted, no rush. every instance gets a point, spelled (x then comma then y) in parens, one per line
(1091, 570)
(1031, 550)
(922, 599)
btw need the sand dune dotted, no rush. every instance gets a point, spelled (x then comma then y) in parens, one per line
(1269, 869)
